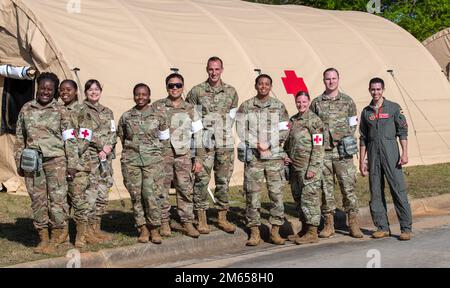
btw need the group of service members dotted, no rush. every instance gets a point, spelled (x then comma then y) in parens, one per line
(65, 151)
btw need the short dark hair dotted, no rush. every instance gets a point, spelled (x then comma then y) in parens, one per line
(70, 82)
(49, 76)
(91, 82)
(174, 75)
(329, 70)
(302, 93)
(263, 76)
(376, 80)
(140, 85)
(214, 59)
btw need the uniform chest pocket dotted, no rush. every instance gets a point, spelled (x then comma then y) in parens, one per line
(388, 126)
(149, 127)
(206, 102)
(49, 121)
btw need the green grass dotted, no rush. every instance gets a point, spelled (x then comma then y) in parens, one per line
(18, 238)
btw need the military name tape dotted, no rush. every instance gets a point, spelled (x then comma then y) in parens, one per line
(68, 134)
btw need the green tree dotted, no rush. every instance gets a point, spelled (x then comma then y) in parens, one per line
(421, 18)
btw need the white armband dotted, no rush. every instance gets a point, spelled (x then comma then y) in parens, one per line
(68, 134)
(282, 126)
(353, 121)
(317, 139)
(9, 71)
(164, 135)
(233, 113)
(113, 126)
(85, 133)
(196, 126)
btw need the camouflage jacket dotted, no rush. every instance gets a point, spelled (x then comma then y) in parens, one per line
(185, 126)
(263, 122)
(218, 107)
(82, 123)
(41, 128)
(100, 120)
(339, 117)
(304, 144)
(140, 133)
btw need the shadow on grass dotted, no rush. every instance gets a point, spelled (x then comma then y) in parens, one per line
(116, 221)
(22, 231)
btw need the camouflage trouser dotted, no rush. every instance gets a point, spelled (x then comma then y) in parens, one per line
(306, 195)
(98, 191)
(145, 185)
(48, 192)
(77, 193)
(254, 174)
(345, 172)
(222, 159)
(179, 170)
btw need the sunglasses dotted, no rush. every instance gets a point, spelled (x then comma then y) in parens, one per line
(175, 85)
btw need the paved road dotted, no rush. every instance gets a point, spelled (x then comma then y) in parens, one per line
(427, 249)
(430, 247)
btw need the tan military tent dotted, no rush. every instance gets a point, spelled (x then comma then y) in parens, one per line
(123, 42)
(439, 46)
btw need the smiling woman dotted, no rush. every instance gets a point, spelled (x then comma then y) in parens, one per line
(40, 158)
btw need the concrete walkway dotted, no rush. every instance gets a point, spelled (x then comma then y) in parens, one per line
(184, 248)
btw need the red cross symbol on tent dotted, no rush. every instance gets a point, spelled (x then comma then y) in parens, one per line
(317, 139)
(85, 133)
(292, 83)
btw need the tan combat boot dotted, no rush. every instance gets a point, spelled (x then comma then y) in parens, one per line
(144, 234)
(60, 236)
(310, 236)
(275, 235)
(165, 230)
(190, 230)
(405, 236)
(302, 232)
(98, 233)
(80, 239)
(223, 222)
(353, 225)
(44, 241)
(154, 235)
(255, 237)
(328, 229)
(203, 226)
(381, 234)
(89, 235)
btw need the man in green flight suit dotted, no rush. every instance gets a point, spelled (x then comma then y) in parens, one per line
(382, 121)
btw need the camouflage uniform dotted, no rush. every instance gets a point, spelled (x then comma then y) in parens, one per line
(218, 107)
(264, 122)
(304, 147)
(183, 121)
(141, 162)
(340, 120)
(80, 183)
(100, 120)
(41, 128)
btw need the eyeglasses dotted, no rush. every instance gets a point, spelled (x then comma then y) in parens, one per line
(174, 85)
